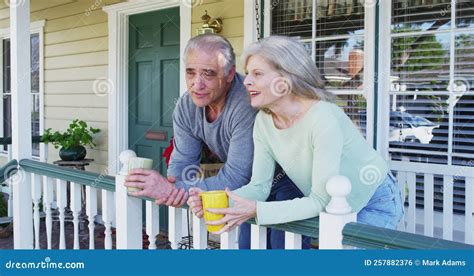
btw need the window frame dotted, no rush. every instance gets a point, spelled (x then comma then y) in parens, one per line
(36, 27)
(368, 91)
(385, 92)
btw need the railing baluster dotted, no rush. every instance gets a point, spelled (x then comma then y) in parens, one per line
(62, 204)
(152, 223)
(9, 183)
(108, 212)
(76, 201)
(411, 214)
(428, 203)
(91, 211)
(199, 233)
(175, 229)
(292, 240)
(47, 202)
(469, 225)
(129, 210)
(447, 192)
(401, 180)
(184, 221)
(10, 197)
(258, 237)
(36, 197)
(229, 240)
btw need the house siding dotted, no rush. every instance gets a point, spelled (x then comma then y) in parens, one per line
(75, 56)
(232, 14)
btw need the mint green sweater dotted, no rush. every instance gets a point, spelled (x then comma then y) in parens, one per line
(322, 144)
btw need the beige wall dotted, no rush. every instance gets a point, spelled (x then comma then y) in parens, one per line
(76, 55)
(232, 14)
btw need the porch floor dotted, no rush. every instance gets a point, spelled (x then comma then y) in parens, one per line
(6, 237)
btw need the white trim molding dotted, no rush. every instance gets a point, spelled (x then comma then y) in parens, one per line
(21, 121)
(369, 71)
(250, 31)
(36, 27)
(384, 54)
(118, 15)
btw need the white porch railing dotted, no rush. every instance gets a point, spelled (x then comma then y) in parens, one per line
(407, 175)
(51, 183)
(7, 188)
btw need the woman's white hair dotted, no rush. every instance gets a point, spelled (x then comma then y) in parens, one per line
(292, 61)
(211, 43)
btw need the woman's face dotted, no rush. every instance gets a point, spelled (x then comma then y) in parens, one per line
(264, 84)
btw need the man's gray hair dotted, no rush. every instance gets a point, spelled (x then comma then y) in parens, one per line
(211, 43)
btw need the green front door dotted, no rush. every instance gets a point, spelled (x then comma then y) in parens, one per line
(153, 83)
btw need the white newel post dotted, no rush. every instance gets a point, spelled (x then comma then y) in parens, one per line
(338, 213)
(128, 210)
(21, 121)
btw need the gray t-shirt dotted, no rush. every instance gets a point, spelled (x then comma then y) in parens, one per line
(229, 137)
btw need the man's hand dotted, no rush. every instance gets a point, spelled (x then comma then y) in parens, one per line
(195, 202)
(151, 183)
(177, 197)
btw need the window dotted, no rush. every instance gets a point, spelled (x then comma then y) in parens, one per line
(432, 80)
(333, 33)
(35, 91)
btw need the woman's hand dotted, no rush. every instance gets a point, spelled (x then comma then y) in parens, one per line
(195, 202)
(242, 210)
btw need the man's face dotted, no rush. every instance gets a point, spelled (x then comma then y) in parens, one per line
(205, 77)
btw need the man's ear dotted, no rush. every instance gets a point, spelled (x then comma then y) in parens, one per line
(231, 74)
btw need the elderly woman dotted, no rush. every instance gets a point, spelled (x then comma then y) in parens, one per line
(312, 139)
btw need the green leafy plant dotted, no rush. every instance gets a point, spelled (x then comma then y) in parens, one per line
(77, 134)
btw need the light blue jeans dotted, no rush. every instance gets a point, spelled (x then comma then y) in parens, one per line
(385, 207)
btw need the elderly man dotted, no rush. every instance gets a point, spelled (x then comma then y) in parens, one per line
(215, 111)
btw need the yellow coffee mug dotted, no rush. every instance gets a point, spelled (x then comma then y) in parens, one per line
(213, 199)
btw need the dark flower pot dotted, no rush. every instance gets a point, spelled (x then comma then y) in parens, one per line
(74, 153)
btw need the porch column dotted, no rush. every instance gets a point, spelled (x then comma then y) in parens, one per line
(21, 121)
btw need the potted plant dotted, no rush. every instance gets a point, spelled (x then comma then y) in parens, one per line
(72, 141)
